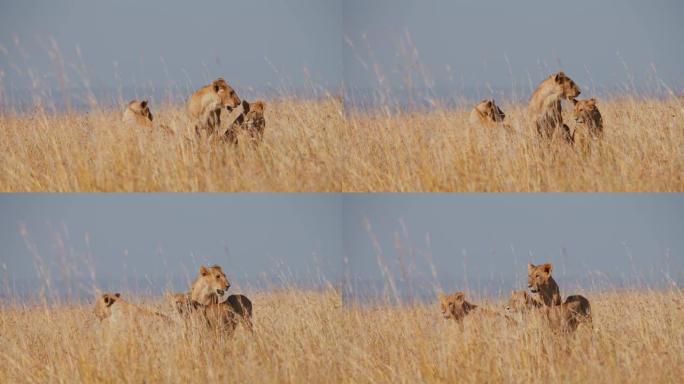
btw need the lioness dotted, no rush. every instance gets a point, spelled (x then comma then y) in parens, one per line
(112, 307)
(587, 113)
(251, 121)
(455, 306)
(137, 113)
(205, 105)
(565, 317)
(539, 281)
(487, 114)
(545, 105)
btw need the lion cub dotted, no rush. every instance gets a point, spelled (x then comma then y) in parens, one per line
(488, 114)
(455, 306)
(251, 121)
(111, 307)
(137, 113)
(587, 113)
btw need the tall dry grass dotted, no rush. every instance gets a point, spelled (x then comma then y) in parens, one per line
(307, 336)
(96, 152)
(318, 146)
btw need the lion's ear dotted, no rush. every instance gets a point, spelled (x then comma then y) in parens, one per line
(592, 101)
(117, 294)
(459, 296)
(203, 271)
(530, 267)
(143, 103)
(547, 268)
(216, 87)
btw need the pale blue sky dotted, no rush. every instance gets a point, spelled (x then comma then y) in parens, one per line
(268, 43)
(590, 40)
(257, 43)
(623, 236)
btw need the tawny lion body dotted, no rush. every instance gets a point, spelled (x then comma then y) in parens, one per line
(137, 113)
(545, 109)
(111, 307)
(540, 281)
(205, 105)
(487, 114)
(565, 317)
(206, 296)
(251, 121)
(454, 306)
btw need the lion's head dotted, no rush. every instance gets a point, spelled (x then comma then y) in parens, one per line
(521, 301)
(538, 276)
(454, 306)
(104, 303)
(210, 285)
(226, 94)
(584, 110)
(490, 110)
(567, 86)
(141, 108)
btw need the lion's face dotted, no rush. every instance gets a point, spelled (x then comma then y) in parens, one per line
(104, 303)
(214, 280)
(583, 110)
(538, 276)
(519, 301)
(569, 89)
(226, 94)
(455, 306)
(489, 108)
(141, 108)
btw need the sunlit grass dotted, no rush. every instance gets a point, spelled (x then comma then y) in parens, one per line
(308, 336)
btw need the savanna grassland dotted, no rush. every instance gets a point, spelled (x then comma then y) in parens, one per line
(317, 145)
(311, 336)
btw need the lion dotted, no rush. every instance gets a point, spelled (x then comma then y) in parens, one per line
(205, 105)
(207, 294)
(137, 113)
(488, 114)
(455, 306)
(539, 281)
(565, 317)
(111, 307)
(587, 113)
(251, 120)
(545, 108)
(210, 285)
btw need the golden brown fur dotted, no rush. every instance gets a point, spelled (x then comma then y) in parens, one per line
(205, 105)
(210, 285)
(488, 114)
(111, 307)
(545, 109)
(250, 121)
(587, 113)
(137, 113)
(540, 281)
(455, 306)
(565, 317)
(226, 316)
